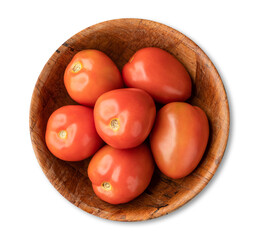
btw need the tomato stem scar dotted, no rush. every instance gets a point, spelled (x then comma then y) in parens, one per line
(62, 134)
(115, 124)
(76, 67)
(106, 186)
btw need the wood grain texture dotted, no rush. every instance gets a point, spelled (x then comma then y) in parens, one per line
(120, 39)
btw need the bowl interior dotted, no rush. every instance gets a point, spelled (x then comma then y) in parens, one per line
(120, 39)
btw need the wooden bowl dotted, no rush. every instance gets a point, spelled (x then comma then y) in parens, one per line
(120, 39)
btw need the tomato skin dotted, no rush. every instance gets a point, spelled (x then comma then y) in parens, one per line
(128, 171)
(81, 139)
(133, 109)
(179, 138)
(159, 73)
(98, 74)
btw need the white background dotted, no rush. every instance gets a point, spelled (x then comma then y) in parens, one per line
(30, 208)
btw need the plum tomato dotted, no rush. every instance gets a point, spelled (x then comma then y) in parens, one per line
(120, 175)
(159, 73)
(71, 134)
(90, 74)
(124, 117)
(179, 138)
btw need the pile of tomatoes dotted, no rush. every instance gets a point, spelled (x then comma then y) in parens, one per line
(128, 121)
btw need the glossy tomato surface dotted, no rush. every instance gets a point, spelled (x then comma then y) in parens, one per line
(71, 134)
(159, 73)
(120, 175)
(124, 117)
(90, 74)
(179, 138)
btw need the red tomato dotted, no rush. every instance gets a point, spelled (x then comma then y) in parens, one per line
(120, 175)
(159, 73)
(90, 74)
(71, 134)
(124, 117)
(179, 138)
